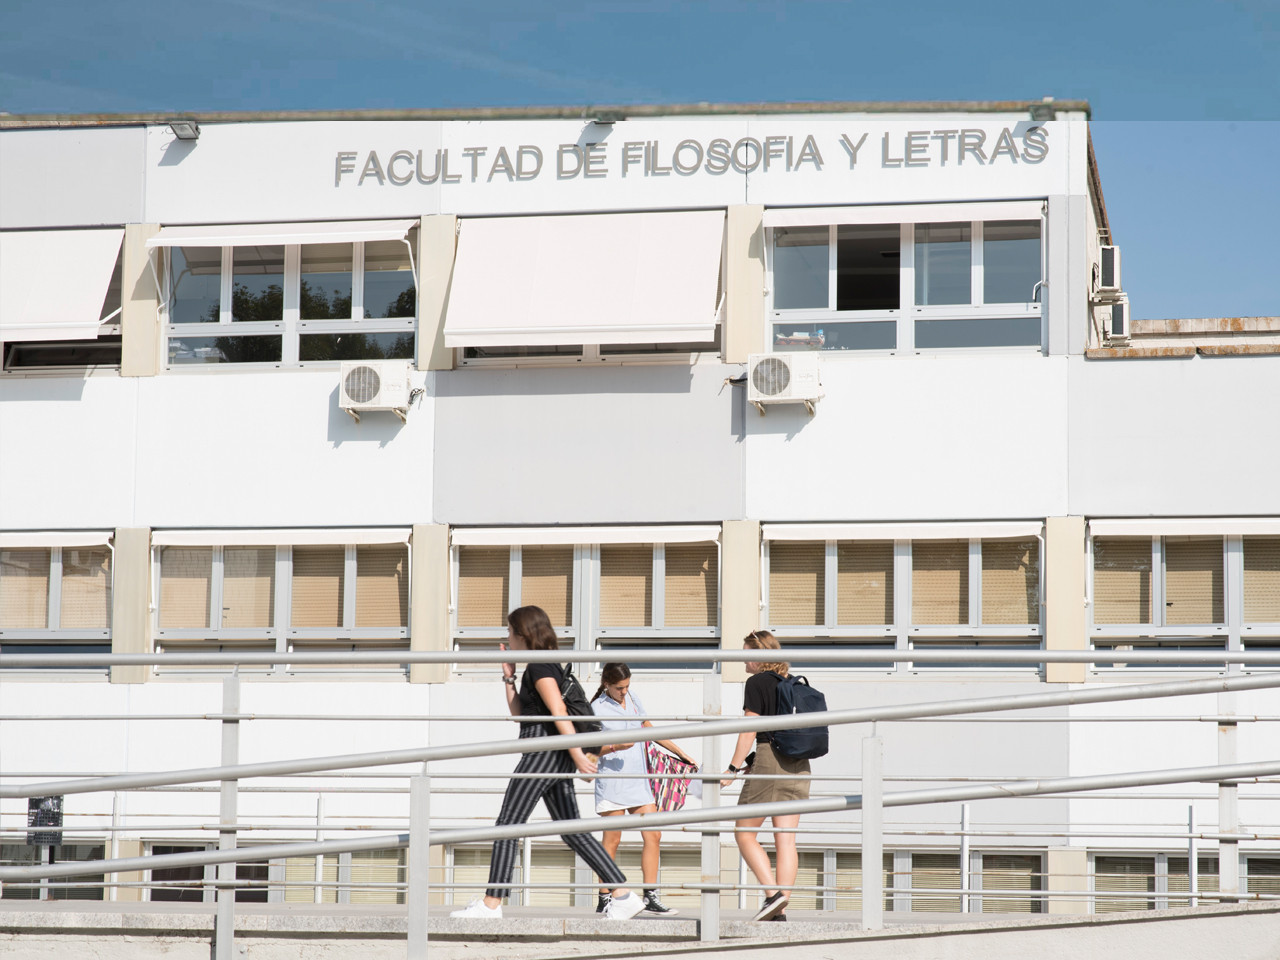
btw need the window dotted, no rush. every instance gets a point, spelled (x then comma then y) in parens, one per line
(1013, 873)
(1117, 876)
(967, 283)
(1159, 592)
(292, 303)
(609, 597)
(1207, 879)
(59, 596)
(25, 855)
(924, 594)
(285, 599)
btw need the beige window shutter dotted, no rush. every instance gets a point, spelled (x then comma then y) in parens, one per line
(248, 587)
(377, 866)
(940, 581)
(186, 580)
(318, 587)
(483, 581)
(692, 575)
(626, 585)
(551, 865)
(1262, 579)
(1011, 581)
(382, 585)
(797, 582)
(300, 878)
(864, 590)
(935, 871)
(24, 588)
(1207, 875)
(1124, 875)
(1193, 590)
(1011, 873)
(546, 581)
(86, 588)
(1122, 580)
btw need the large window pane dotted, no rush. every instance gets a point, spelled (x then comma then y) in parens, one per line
(382, 585)
(868, 261)
(325, 288)
(1011, 872)
(483, 577)
(191, 877)
(86, 588)
(1118, 875)
(935, 871)
(196, 284)
(1010, 260)
(318, 586)
(1262, 579)
(1122, 580)
(268, 349)
(388, 280)
(314, 347)
(940, 581)
(864, 593)
(795, 336)
(186, 580)
(257, 277)
(626, 585)
(801, 268)
(1011, 581)
(248, 587)
(1193, 580)
(24, 588)
(797, 582)
(944, 263)
(378, 867)
(692, 579)
(978, 332)
(546, 581)
(1206, 878)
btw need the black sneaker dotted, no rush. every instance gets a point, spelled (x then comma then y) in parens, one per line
(773, 906)
(782, 917)
(653, 905)
(602, 902)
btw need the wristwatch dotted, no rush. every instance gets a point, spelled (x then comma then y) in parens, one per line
(509, 681)
(733, 769)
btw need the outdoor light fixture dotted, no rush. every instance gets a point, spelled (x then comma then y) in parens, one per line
(185, 129)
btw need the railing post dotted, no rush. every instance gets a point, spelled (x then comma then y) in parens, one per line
(114, 878)
(1228, 805)
(225, 923)
(319, 891)
(964, 859)
(872, 833)
(1193, 873)
(526, 871)
(709, 918)
(419, 863)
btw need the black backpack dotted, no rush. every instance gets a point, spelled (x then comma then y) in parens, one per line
(801, 743)
(577, 705)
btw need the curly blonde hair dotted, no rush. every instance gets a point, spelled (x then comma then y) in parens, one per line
(764, 640)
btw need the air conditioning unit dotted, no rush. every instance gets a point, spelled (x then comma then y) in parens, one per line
(368, 385)
(1117, 328)
(1109, 272)
(784, 378)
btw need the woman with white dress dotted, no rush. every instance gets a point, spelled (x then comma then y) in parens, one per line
(619, 710)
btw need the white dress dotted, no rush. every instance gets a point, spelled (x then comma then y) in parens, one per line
(616, 794)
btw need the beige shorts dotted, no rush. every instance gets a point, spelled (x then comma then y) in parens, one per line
(769, 761)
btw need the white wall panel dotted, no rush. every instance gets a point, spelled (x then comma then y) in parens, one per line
(72, 178)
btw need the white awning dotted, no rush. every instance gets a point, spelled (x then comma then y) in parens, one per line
(277, 234)
(53, 282)
(590, 278)
(902, 531)
(904, 213)
(1183, 527)
(272, 538)
(55, 538)
(512, 536)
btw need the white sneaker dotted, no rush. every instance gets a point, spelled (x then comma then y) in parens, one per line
(624, 909)
(477, 909)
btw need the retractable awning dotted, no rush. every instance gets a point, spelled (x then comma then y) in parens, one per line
(55, 538)
(53, 282)
(1186, 527)
(280, 234)
(520, 536)
(589, 278)
(904, 213)
(316, 536)
(902, 531)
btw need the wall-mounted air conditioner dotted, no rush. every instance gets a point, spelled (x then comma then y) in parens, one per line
(784, 378)
(1117, 327)
(369, 385)
(1109, 270)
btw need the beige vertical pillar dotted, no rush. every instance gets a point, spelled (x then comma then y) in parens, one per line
(743, 332)
(1067, 869)
(141, 335)
(740, 590)
(437, 244)
(1065, 622)
(729, 870)
(439, 874)
(429, 599)
(131, 600)
(130, 848)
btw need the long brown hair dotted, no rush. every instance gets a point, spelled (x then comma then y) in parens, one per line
(764, 640)
(533, 624)
(612, 673)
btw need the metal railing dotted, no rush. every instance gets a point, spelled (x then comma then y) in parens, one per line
(871, 801)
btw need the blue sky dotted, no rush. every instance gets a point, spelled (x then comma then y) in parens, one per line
(1185, 94)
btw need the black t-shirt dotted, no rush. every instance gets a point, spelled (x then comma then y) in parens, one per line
(531, 704)
(761, 697)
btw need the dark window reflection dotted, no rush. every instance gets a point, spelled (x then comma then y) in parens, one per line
(314, 347)
(325, 290)
(868, 258)
(944, 267)
(1010, 260)
(257, 276)
(998, 332)
(197, 284)
(388, 281)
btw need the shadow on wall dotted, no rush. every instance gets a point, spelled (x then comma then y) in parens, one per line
(566, 381)
(780, 418)
(35, 389)
(176, 151)
(381, 426)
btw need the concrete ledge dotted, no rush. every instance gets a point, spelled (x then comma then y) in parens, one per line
(1166, 328)
(1139, 353)
(1238, 349)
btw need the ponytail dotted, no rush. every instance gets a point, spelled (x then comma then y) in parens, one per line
(612, 673)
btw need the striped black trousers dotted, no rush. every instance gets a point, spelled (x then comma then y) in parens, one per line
(523, 795)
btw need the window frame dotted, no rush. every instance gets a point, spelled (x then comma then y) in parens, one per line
(905, 634)
(908, 311)
(53, 633)
(291, 327)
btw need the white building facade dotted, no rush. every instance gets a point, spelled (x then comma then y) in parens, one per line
(577, 309)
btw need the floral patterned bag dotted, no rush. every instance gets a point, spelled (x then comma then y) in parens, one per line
(669, 793)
